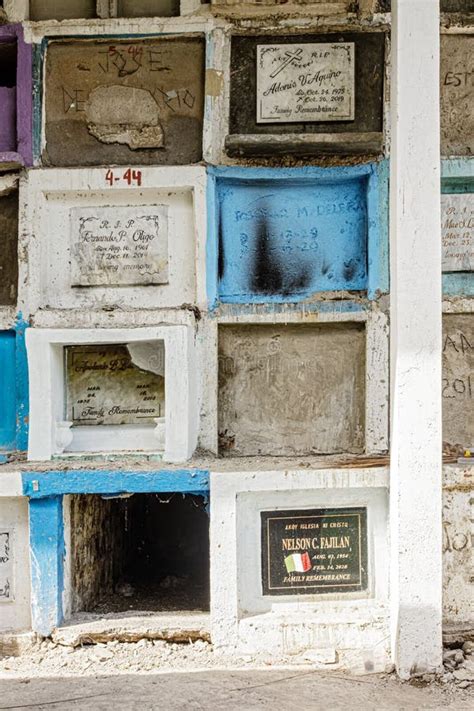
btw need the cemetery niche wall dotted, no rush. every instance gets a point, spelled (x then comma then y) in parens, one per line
(306, 94)
(119, 101)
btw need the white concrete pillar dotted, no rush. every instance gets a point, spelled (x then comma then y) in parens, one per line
(415, 242)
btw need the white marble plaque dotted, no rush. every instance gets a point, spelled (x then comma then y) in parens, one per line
(112, 385)
(119, 246)
(6, 566)
(457, 232)
(305, 82)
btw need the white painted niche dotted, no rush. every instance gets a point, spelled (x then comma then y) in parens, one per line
(114, 237)
(99, 391)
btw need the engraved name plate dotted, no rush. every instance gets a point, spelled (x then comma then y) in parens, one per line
(105, 387)
(305, 82)
(119, 246)
(457, 214)
(6, 566)
(314, 551)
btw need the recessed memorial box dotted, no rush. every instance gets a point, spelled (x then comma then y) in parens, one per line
(8, 246)
(119, 245)
(291, 390)
(458, 379)
(124, 102)
(457, 95)
(6, 565)
(105, 387)
(306, 94)
(284, 240)
(457, 213)
(314, 551)
(114, 389)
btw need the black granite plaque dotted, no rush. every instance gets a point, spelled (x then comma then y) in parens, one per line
(314, 551)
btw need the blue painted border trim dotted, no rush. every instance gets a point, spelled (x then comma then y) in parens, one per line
(47, 563)
(378, 202)
(457, 176)
(22, 391)
(104, 481)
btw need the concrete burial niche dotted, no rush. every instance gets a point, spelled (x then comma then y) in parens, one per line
(144, 552)
(130, 237)
(291, 390)
(284, 235)
(457, 95)
(306, 94)
(458, 379)
(124, 102)
(8, 244)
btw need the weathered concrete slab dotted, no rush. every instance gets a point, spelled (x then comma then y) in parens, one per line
(8, 248)
(170, 626)
(106, 387)
(367, 116)
(457, 95)
(457, 227)
(291, 390)
(458, 379)
(123, 102)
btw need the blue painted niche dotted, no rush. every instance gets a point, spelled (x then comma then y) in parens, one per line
(283, 235)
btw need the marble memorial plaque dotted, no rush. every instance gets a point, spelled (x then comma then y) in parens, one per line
(314, 551)
(105, 387)
(291, 390)
(118, 246)
(458, 379)
(6, 566)
(305, 82)
(457, 213)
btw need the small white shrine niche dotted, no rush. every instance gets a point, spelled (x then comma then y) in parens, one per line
(109, 390)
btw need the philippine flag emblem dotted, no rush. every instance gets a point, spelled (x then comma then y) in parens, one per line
(298, 563)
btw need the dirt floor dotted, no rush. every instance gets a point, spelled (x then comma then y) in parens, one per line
(230, 690)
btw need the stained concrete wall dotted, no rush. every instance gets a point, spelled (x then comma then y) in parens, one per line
(8, 248)
(124, 101)
(291, 390)
(458, 379)
(97, 547)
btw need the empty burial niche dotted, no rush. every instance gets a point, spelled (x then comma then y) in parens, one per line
(8, 245)
(147, 552)
(291, 390)
(115, 396)
(8, 60)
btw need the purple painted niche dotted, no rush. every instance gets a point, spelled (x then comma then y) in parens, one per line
(16, 97)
